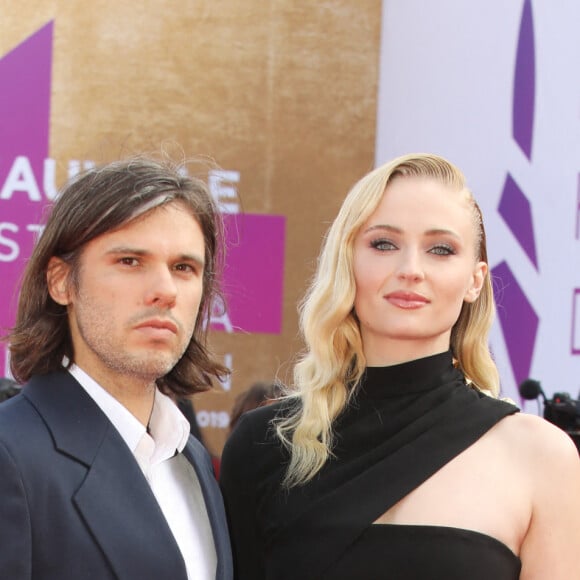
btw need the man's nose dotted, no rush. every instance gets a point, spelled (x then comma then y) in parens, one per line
(161, 288)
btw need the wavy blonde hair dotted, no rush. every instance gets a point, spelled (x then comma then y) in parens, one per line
(333, 362)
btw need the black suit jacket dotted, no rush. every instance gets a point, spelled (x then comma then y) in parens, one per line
(74, 503)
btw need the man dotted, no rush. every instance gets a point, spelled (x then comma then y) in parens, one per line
(99, 477)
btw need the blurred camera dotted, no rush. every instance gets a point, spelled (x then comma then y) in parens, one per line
(561, 409)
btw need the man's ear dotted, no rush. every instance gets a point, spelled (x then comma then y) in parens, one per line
(57, 279)
(474, 290)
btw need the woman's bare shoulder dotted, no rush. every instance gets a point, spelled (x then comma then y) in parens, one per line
(548, 460)
(539, 443)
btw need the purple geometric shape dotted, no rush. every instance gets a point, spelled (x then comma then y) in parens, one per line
(525, 83)
(516, 211)
(253, 280)
(519, 321)
(25, 74)
(25, 78)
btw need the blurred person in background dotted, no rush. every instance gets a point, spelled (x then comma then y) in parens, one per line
(8, 388)
(257, 395)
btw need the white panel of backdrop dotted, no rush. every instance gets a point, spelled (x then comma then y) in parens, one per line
(494, 86)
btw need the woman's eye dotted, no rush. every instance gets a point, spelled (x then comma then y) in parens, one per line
(442, 250)
(383, 245)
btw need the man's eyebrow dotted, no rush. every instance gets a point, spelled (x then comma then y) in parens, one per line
(128, 250)
(199, 260)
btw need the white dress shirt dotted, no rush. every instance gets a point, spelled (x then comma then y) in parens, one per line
(157, 450)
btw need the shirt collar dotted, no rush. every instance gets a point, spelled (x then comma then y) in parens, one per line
(167, 426)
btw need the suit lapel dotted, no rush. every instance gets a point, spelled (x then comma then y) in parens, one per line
(114, 500)
(120, 509)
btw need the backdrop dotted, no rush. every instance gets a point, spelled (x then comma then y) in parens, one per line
(290, 103)
(278, 96)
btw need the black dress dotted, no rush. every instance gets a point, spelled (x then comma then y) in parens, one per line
(405, 422)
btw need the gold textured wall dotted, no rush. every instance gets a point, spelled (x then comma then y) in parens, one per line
(284, 92)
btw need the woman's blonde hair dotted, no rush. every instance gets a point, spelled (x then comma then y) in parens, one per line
(333, 362)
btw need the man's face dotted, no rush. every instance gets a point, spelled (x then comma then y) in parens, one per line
(139, 288)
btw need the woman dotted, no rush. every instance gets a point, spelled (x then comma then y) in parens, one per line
(393, 457)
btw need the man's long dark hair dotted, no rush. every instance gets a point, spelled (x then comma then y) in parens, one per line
(99, 201)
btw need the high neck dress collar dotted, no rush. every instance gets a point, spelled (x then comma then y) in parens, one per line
(406, 378)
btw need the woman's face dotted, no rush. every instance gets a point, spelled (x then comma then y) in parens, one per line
(414, 265)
